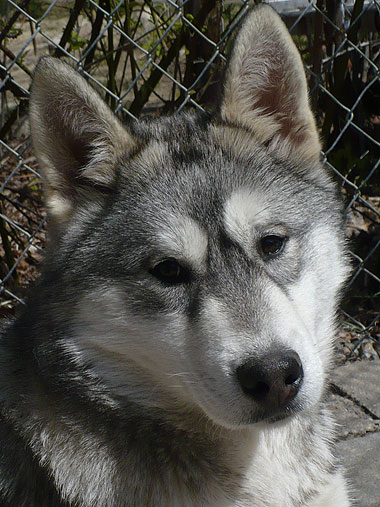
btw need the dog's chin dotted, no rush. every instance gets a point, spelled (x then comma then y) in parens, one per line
(235, 420)
(272, 417)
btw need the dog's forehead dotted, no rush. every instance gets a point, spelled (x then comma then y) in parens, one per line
(214, 175)
(190, 155)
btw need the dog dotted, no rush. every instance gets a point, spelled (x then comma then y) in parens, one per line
(175, 350)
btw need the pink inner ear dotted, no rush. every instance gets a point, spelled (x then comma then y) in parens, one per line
(277, 100)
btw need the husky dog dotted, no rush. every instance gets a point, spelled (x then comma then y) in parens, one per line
(176, 348)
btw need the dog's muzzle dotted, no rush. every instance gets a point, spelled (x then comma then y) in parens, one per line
(273, 380)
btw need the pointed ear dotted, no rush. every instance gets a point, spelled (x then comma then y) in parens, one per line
(266, 89)
(77, 139)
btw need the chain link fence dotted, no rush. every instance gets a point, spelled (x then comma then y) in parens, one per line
(159, 56)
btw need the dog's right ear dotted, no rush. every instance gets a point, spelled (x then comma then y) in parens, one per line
(76, 137)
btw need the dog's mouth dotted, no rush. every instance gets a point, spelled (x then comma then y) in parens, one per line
(280, 414)
(246, 412)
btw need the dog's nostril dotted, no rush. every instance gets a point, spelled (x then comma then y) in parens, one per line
(273, 380)
(292, 369)
(290, 379)
(260, 390)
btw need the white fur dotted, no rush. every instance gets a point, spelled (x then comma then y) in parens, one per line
(130, 342)
(183, 238)
(244, 210)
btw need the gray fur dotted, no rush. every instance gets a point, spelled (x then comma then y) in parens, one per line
(117, 389)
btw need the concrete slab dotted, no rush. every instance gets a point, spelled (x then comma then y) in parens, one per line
(361, 459)
(352, 420)
(361, 381)
(356, 407)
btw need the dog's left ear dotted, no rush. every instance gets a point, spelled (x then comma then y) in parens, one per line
(266, 89)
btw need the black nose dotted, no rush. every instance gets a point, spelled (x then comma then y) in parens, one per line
(272, 380)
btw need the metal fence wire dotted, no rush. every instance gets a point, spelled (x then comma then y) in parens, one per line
(159, 56)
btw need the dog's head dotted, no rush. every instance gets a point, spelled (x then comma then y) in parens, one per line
(202, 255)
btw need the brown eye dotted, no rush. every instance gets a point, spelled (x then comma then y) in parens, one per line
(171, 272)
(272, 245)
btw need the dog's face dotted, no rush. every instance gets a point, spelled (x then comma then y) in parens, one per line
(206, 253)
